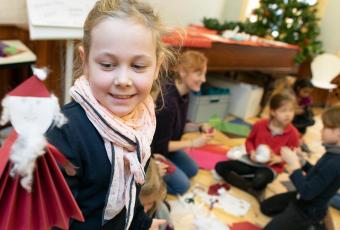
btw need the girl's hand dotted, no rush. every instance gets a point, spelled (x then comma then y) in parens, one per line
(290, 157)
(159, 157)
(162, 167)
(206, 128)
(201, 140)
(302, 156)
(275, 159)
(253, 156)
(156, 223)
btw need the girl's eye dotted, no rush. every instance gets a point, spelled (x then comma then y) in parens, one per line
(106, 66)
(139, 67)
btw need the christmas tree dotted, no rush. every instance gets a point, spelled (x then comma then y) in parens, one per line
(291, 21)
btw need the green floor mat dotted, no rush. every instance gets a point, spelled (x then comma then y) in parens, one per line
(237, 130)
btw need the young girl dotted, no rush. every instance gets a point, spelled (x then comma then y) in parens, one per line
(315, 185)
(172, 121)
(111, 119)
(152, 194)
(267, 135)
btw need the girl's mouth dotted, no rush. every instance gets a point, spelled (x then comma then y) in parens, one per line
(121, 96)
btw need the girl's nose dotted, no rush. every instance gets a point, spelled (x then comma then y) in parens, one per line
(122, 78)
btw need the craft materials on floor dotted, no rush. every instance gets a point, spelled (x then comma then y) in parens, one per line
(244, 226)
(207, 156)
(230, 128)
(188, 213)
(240, 121)
(228, 202)
(194, 209)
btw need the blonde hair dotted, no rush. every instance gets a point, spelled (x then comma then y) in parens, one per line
(331, 117)
(129, 9)
(191, 61)
(153, 186)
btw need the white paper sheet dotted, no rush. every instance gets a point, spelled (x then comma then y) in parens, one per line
(59, 13)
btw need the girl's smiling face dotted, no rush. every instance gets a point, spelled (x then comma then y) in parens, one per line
(193, 79)
(122, 64)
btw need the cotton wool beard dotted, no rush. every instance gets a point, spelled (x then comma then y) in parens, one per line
(24, 153)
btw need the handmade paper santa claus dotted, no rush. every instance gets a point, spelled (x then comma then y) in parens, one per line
(33, 191)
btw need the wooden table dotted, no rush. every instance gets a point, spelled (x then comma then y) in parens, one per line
(238, 57)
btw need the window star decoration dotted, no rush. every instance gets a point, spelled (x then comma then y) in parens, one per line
(33, 192)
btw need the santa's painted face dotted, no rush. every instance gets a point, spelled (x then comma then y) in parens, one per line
(30, 115)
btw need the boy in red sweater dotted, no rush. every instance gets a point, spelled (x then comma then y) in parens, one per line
(268, 136)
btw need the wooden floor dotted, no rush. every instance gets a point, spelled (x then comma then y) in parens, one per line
(205, 179)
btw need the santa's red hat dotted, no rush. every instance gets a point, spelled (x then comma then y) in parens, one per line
(33, 86)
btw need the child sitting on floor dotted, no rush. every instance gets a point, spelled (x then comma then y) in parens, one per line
(315, 185)
(267, 138)
(152, 196)
(303, 115)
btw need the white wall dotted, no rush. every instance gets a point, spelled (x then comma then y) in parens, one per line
(233, 10)
(330, 32)
(184, 12)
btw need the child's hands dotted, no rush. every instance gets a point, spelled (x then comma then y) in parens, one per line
(156, 223)
(290, 157)
(275, 159)
(253, 156)
(162, 167)
(201, 140)
(302, 156)
(159, 157)
(261, 155)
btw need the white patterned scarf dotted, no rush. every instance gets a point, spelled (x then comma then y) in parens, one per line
(130, 136)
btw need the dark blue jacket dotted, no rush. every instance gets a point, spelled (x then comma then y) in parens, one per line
(319, 184)
(81, 143)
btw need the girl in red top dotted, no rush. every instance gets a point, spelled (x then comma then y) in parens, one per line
(268, 135)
